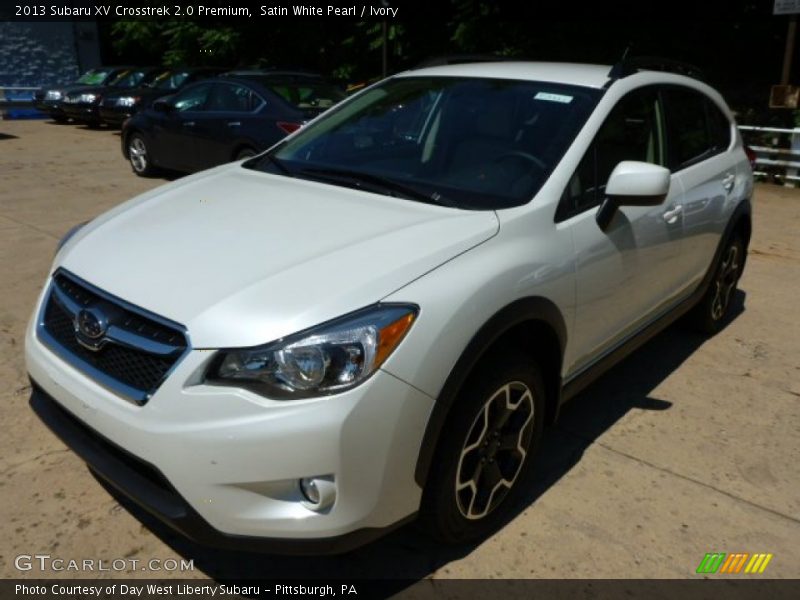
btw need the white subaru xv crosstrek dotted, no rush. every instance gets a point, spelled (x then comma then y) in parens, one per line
(375, 319)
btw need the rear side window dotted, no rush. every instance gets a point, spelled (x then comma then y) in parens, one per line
(696, 128)
(719, 127)
(308, 95)
(232, 97)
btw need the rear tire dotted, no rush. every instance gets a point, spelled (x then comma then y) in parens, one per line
(485, 457)
(139, 156)
(245, 153)
(714, 308)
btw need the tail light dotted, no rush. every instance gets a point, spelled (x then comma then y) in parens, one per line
(751, 156)
(288, 127)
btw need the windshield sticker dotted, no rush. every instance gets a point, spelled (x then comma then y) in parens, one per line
(553, 97)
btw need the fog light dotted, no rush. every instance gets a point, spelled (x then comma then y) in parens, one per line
(319, 492)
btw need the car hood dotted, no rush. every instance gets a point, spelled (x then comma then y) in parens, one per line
(242, 257)
(64, 89)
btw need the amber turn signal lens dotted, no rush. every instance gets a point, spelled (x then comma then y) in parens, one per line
(390, 336)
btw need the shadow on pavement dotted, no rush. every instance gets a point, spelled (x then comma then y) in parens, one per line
(407, 555)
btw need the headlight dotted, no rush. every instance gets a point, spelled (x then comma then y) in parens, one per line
(127, 101)
(88, 98)
(66, 237)
(52, 95)
(326, 359)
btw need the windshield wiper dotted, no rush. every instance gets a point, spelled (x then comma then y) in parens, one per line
(389, 186)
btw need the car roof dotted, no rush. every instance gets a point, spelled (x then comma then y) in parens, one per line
(273, 74)
(595, 76)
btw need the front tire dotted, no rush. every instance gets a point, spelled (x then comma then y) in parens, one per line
(485, 457)
(139, 156)
(714, 308)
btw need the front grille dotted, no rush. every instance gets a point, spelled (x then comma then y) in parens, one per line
(135, 354)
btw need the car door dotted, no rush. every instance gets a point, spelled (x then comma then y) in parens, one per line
(230, 115)
(176, 133)
(699, 136)
(627, 272)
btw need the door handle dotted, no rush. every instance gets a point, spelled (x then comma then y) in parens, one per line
(234, 123)
(188, 123)
(728, 181)
(671, 216)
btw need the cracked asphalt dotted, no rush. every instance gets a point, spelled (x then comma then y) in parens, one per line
(690, 446)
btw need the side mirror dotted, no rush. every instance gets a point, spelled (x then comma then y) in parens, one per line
(162, 105)
(633, 183)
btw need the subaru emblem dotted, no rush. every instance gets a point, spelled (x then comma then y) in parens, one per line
(91, 323)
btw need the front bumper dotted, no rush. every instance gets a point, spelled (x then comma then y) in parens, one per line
(116, 115)
(81, 112)
(221, 464)
(148, 488)
(50, 107)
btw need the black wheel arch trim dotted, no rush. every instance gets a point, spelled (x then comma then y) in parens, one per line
(521, 311)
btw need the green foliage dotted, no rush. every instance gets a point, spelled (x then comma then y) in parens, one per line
(178, 42)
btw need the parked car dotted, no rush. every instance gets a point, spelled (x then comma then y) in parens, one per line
(219, 120)
(83, 104)
(50, 100)
(375, 320)
(116, 107)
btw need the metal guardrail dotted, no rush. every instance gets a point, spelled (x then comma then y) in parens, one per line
(775, 162)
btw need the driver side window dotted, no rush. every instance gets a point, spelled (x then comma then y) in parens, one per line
(634, 130)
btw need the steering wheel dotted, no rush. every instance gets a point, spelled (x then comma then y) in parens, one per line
(519, 154)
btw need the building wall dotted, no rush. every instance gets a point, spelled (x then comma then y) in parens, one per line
(45, 53)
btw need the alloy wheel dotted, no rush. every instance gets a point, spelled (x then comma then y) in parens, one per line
(137, 151)
(494, 450)
(725, 282)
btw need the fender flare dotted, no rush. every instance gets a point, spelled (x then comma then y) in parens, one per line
(520, 311)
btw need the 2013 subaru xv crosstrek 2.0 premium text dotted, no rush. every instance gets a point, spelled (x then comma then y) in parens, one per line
(375, 319)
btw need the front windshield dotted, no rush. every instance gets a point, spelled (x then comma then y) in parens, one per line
(463, 142)
(134, 78)
(94, 77)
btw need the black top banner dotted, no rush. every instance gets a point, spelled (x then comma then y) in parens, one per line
(376, 10)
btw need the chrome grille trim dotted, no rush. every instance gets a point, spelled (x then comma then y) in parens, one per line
(139, 347)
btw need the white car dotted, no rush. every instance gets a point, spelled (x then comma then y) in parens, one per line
(375, 319)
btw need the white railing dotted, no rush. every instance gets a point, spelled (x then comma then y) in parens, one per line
(773, 161)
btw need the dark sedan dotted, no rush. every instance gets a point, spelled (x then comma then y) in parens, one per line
(50, 100)
(83, 104)
(219, 120)
(116, 107)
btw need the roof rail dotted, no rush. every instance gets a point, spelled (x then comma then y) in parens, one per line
(457, 59)
(629, 66)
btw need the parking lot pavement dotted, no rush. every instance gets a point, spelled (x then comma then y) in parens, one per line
(688, 447)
